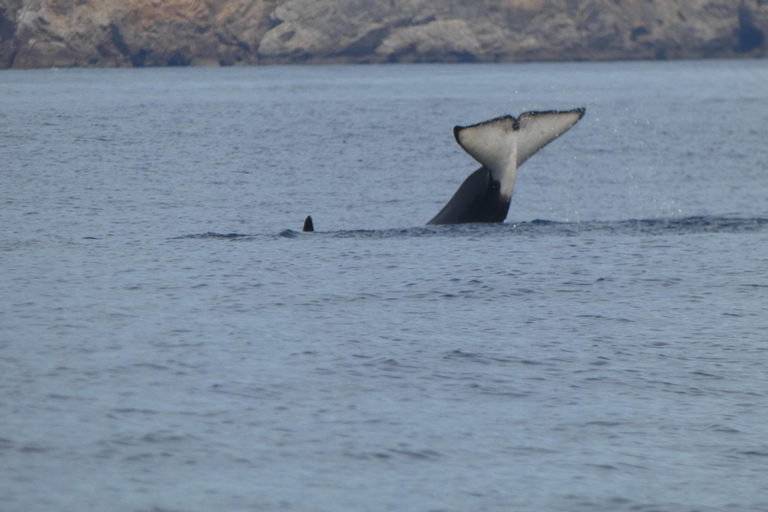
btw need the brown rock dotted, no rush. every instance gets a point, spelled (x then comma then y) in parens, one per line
(45, 33)
(440, 40)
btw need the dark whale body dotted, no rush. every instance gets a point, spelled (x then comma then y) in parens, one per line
(478, 199)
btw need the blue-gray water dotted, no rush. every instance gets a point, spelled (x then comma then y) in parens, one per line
(171, 341)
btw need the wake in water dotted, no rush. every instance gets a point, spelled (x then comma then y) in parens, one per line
(682, 226)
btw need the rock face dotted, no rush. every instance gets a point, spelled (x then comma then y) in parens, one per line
(45, 33)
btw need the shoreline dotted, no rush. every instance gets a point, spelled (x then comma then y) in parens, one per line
(330, 64)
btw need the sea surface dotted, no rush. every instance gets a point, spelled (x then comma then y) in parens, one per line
(170, 341)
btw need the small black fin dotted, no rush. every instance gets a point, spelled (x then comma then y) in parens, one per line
(308, 226)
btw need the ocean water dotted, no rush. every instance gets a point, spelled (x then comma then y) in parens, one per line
(171, 341)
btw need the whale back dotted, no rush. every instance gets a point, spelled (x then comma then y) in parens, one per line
(478, 199)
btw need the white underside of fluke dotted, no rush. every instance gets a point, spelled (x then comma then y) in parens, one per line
(504, 143)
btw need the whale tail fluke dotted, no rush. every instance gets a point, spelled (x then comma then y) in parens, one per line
(500, 145)
(308, 226)
(505, 143)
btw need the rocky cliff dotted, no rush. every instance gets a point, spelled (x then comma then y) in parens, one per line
(45, 33)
